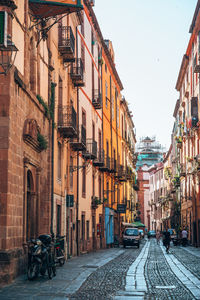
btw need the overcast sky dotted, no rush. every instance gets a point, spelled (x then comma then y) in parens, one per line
(150, 38)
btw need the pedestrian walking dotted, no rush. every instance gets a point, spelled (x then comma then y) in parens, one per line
(184, 235)
(166, 239)
(158, 237)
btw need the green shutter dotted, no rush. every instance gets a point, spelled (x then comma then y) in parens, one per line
(2, 27)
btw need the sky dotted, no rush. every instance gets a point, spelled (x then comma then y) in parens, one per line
(149, 38)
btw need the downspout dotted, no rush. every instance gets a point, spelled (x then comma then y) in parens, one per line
(52, 152)
(51, 88)
(77, 200)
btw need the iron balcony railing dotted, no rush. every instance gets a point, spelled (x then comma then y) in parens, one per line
(79, 143)
(91, 149)
(99, 161)
(76, 72)
(113, 165)
(67, 121)
(106, 165)
(97, 99)
(66, 43)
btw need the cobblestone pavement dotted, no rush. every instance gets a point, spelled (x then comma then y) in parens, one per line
(189, 257)
(118, 274)
(107, 280)
(161, 281)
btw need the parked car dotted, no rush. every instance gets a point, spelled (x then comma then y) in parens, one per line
(151, 233)
(141, 232)
(131, 237)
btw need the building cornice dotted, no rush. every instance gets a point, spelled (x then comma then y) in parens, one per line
(192, 26)
(184, 65)
(176, 108)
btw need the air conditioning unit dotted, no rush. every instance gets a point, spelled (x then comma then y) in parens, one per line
(92, 2)
(3, 28)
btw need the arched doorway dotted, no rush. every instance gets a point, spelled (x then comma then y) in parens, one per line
(30, 211)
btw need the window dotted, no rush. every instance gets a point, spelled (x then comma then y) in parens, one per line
(88, 229)
(106, 89)
(83, 227)
(59, 161)
(112, 108)
(107, 191)
(58, 225)
(60, 98)
(93, 184)
(105, 68)
(99, 186)
(84, 181)
(71, 172)
(84, 118)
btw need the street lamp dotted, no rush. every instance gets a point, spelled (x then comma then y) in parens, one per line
(7, 56)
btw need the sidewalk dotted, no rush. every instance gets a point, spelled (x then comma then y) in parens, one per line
(67, 281)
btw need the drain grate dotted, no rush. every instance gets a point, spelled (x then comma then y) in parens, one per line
(166, 287)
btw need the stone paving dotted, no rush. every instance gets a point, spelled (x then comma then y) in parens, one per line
(147, 273)
(161, 281)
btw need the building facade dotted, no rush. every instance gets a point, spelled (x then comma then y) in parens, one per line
(67, 146)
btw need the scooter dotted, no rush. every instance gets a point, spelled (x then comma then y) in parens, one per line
(37, 262)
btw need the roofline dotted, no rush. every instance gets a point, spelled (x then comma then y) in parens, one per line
(194, 17)
(184, 64)
(176, 108)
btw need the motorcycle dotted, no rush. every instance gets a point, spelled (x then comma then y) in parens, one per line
(59, 250)
(36, 259)
(47, 241)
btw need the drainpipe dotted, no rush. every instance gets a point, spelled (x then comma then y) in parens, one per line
(77, 200)
(52, 154)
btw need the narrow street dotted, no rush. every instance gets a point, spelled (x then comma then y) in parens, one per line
(118, 273)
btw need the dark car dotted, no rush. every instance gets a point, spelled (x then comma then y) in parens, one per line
(131, 237)
(151, 234)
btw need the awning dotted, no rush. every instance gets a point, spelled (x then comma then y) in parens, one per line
(138, 224)
(52, 8)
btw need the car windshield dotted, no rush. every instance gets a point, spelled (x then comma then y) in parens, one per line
(131, 231)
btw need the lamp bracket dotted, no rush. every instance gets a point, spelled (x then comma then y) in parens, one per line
(41, 25)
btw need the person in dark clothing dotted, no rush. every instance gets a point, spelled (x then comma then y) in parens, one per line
(166, 240)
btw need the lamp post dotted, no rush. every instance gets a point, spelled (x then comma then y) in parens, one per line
(7, 56)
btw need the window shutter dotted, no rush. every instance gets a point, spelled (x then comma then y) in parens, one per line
(3, 28)
(194, 107)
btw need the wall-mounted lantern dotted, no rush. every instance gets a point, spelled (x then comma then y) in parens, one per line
(8, 50)
(7, 56)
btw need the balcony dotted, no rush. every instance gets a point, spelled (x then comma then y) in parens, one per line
(99, 161)
(106, 165)
(136, 185)
(95, 202)
(66, 43)
(122, 173)
(113, 165)
(183, 170)
(67, 121)
(76, 73)
(91, 149)
(79, 143)
(97, 99)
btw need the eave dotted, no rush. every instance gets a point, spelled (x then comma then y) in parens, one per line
(184, 64)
